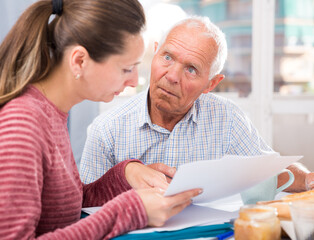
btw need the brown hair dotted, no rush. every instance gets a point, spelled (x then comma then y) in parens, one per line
(34, 45)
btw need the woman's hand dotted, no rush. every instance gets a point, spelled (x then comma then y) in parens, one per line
(140, 176)
(159, 208)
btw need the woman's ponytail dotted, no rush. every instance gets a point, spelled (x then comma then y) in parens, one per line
(25, 52)
(35, 44)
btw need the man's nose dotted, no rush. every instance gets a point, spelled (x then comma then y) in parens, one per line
(174, 73)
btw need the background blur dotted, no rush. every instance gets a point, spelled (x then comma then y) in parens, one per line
(269, 71)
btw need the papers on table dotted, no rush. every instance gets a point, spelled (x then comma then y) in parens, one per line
(227, 176)
(216, 212)
(193, 215)
(196, 215)
(222, 181)
(91, 210)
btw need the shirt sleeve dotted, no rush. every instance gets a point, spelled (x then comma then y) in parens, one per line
(124, 213)
(97, 157)
(111, 184)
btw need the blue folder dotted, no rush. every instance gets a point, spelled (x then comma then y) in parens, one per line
(220, 231)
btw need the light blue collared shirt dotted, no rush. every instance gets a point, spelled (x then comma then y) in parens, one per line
(213, 127)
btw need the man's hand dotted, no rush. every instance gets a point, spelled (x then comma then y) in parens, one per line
(303, 178)
(140, 176)
(165, 169)
(309, 181)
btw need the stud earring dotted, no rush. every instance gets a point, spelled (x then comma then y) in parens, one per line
(77, 76)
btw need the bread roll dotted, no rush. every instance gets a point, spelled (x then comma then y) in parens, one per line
(299, 196)
(282, 205)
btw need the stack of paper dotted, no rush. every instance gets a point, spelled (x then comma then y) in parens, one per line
(227, 176)
(222, 181)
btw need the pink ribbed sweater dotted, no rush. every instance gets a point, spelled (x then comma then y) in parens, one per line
(41, 194)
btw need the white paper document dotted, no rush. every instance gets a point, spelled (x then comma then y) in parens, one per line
(227, 176)
(221, 181)
(91, 210)
(216, 212)
(193, 215)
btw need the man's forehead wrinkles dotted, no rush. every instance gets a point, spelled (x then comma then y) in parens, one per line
(173, 45)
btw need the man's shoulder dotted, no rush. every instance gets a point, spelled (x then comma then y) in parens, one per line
(211, 100)
(221, 107)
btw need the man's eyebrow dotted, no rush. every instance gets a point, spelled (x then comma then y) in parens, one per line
(196, 66)
(167, 49)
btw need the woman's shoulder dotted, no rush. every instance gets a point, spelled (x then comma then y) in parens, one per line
(22, 109)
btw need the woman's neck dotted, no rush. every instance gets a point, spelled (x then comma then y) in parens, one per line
(58, 89)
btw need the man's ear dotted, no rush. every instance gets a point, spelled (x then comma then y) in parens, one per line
(78, 59)
(155, 47)
(214, 82)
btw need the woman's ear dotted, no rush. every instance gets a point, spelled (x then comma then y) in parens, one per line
(78, 60)
(214, 82)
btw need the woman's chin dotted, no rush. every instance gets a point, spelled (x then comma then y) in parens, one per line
(107, 98)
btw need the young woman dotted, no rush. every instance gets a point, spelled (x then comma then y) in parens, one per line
(88, 50)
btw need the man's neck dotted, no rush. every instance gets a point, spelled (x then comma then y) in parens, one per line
(164, 119)
(167, 122)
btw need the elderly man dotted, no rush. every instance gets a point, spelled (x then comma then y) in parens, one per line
(177, 120)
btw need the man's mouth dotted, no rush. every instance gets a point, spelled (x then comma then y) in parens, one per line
(168, 93)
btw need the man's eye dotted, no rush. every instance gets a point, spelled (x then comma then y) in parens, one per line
(167, 57)
(191, 70)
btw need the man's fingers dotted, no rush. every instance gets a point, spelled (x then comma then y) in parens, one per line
(169, 179)
(309, 181)
(163, 168)
(169, 171)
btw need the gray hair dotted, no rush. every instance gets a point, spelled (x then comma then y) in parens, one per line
(212, 31)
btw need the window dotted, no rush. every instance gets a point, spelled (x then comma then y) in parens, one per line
(294, 47)
(270, 69)
(293, 99)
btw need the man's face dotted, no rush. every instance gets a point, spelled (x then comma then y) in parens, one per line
(180, 70)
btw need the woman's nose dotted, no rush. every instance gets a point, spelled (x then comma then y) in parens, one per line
(132, 81)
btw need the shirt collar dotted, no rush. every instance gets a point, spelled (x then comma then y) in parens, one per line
(144, 115)
(193, 113)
